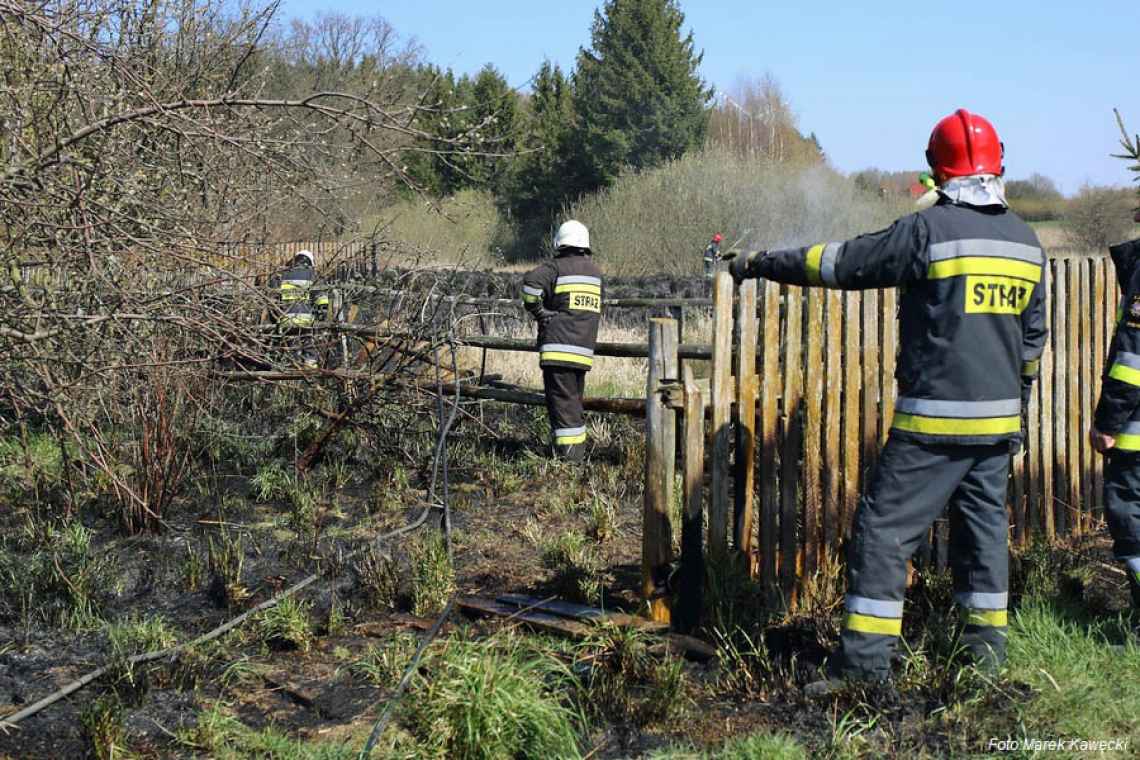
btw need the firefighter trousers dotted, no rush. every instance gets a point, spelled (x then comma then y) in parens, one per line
(911, 486)
(564, 391)
(1122, 512)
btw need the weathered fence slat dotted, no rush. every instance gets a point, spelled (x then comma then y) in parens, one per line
(1072, 379)
(1088, 348)
(746, 389)
(1060, 395)
(769, 431)
(871, 380)
(1099, 352)
(721, 389)
(852, 393)
(1047, 524)
(791, 444)
(887, 361)
(660, 450)
(692, 581)
(813, 429)
(833, 421)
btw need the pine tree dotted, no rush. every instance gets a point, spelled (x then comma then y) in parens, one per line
(639, 98)
(544, 178)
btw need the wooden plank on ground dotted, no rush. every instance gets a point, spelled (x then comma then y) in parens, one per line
(769, 431)
(690, 599)
(660, 455)
(833, 421)
(581, 612)
(747, 332)
(791, 444)
(852, 396)
(813, 431)
(722, 393)
(871, 350)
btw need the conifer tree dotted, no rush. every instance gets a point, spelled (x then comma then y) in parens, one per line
(639, 98)
(544, 176)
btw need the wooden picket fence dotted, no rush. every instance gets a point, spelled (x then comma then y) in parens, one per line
(826, 363)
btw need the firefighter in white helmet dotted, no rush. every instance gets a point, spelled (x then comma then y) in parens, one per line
(297, 315)
(564, 295)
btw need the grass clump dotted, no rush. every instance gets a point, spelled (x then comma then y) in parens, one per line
(135, 636)
(225, 559)
(577, 568)
(432, 576)
(489, 700)
(285, 626)
(384, 665)
(627, 683)
(377, 579)
(103, 728)
(61, 581)
(753, 747)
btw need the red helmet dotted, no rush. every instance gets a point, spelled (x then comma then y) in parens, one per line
(963, 144)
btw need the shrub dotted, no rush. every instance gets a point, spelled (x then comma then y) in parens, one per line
(661, 220)
(1098, 217)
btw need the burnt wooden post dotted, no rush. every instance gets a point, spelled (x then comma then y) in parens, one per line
(692, 580)
(748, 328)
(720, 384)
(660, 451)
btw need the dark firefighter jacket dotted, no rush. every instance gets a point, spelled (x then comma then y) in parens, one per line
(1118, 411)
(564, 295)
(971, 314)
(294, 286)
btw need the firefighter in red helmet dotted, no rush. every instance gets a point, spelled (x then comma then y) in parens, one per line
(972, 328)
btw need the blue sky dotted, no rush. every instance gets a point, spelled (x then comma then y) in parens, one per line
(870, 79)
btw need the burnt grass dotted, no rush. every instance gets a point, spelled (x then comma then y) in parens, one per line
(506, 500)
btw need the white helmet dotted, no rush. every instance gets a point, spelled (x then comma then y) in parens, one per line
(572, 234)
(308, 255)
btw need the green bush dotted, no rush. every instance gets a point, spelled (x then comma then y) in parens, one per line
(661, 220)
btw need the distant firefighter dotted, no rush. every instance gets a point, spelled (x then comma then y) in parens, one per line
(564, 295)
(297, 313)
(972, 329)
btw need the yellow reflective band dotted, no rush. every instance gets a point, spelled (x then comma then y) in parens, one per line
(1022, 270)
(566, 440)
(811, 264)
(578, 287)
(914, 423)
(1125, 374)
(298, 319)
(1127, 442)
(559, 356)
(322, 300)
(531, 299)
(988, 618)
(869, 624)
(1029, 369)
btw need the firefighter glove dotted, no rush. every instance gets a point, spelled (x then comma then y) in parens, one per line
(742, 263)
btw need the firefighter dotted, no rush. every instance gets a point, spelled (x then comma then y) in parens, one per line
(297, 315)
(1115, 430)
(712, 257)
(564, 295)
(972, 329)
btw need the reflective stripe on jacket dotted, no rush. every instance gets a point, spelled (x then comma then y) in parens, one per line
(565, 296)
(296, 283)
(971, 313)
(1118, 410)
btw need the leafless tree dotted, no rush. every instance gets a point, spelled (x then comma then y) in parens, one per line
(140, 141)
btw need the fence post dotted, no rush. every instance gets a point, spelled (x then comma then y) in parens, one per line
(660, 452)
(692, 580)
(748, 328)
(720, 384)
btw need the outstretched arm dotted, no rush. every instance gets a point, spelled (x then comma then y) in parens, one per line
(882, 259)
